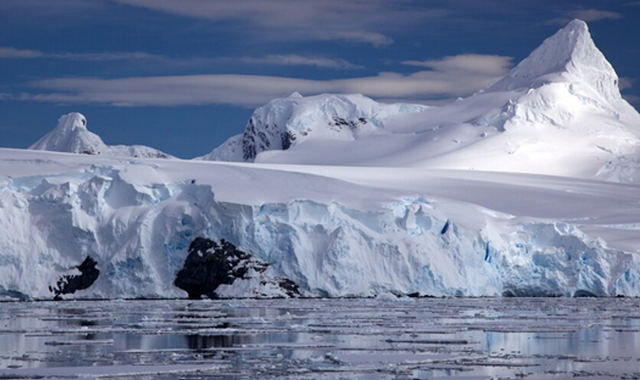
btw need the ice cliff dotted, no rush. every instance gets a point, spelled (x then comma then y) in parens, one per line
(358, 232)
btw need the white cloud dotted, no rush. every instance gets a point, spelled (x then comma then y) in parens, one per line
(48, 8)
(625, 83)
(487, 64)
(449, 78)
(375, 39)
(106, 56)
(273, 59)
(587, 15)
(591, 15)
(632, 99)
(359, 21)
(298, 60)
(13, 53)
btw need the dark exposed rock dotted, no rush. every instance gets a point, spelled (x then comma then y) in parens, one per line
(259, 137)
(581, 293)
(288, 138)
(69, 284)
(13, 294)
(290, 288)
(352, 124)
(210, 264)
(419, 295)
(445, 228)
(248, 142)
(528, 292)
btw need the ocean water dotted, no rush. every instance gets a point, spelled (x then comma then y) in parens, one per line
(514, 338)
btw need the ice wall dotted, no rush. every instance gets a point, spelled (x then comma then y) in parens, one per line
(139, 234)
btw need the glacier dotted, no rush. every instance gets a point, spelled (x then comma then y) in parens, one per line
(335, 233)
(528, 188)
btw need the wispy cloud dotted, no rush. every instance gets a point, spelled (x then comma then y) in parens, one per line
(588, 15)
(467, 63)
(49, 8)
(450, 77)
(360, 36)
(299, 60)
(13, 53)
(272, 59)
(632, 99)
(591, 15)
(625, 83)
(359, 21)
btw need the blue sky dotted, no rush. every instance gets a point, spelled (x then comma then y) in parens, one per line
(183, 76)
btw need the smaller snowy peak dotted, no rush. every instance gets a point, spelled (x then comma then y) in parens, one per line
(286, 122)
(72, 136)
(570, 52)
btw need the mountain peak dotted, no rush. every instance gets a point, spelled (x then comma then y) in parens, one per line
(576, 25)
(72, 121)
(71, 135)
(570, 51)
(284, 123)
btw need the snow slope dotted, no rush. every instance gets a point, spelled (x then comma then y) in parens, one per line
(559, 112)
(72, 136)
(395, 207)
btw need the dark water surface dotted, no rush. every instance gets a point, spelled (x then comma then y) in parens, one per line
(536, 338)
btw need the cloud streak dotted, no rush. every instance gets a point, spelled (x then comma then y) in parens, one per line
(587, 15)
(467, 63)
(299, 60)
(450, 77)
(592, 15)
(273, 59)
(625, 83)
(13, 53)
(356, 21)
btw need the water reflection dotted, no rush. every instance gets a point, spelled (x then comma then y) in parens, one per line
(359, 339)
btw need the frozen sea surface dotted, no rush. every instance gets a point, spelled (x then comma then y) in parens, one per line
(322, 339)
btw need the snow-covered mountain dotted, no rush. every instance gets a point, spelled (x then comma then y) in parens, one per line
(286, 123)
(72, 136)
(502, 193)
(559, 112)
